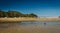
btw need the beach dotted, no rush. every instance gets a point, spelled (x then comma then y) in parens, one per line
(30, 25)
(29, 28)
(28, 19)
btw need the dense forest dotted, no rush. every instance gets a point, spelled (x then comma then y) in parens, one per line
(12, 14)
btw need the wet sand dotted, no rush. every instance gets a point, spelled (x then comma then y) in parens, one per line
(16, 28)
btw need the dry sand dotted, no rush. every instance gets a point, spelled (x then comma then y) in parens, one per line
(28, 19)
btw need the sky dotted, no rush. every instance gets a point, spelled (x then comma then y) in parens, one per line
(42, 8)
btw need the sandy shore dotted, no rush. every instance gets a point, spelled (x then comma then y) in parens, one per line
(30, 29)
(27, 19)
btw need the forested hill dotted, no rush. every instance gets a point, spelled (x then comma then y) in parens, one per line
(15, 14)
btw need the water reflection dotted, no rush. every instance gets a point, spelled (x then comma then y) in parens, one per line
(6, 25)
(35, 27)
(39, 23)
(3, 25)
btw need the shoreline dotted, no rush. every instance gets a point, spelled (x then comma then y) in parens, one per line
(22, 19)
(16, 28)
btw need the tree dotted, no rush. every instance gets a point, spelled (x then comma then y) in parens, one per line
(14, 14)
(33, 15)
(29, 15)
(2, 13)
(11, 13)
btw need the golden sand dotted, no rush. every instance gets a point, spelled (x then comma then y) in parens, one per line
(28, 19)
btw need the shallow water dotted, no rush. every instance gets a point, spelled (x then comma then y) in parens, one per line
(39, 23)
(30, 27)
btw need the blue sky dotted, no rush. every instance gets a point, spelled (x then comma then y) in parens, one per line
(39, 7)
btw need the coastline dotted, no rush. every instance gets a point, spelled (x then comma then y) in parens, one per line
(29, 28)
(21, 19)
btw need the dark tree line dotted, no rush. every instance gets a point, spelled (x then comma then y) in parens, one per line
(15, 14)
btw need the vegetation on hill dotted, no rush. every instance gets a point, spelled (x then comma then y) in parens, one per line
(15, 14)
